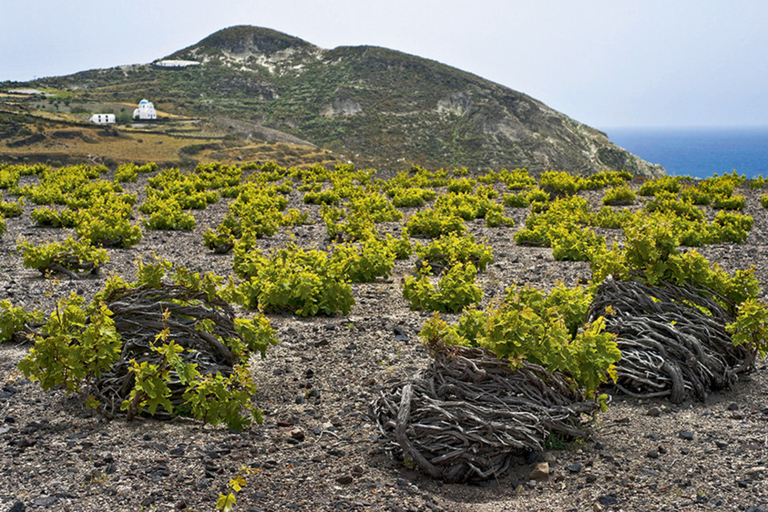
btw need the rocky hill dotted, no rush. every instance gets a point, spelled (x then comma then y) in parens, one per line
(375, 106)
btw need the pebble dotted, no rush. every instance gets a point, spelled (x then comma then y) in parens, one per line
(17, 507)
(652, 454)
(575, 468)
(520, 489)
(540, 471)
(654, 412)
(733, 406)
(607, 500)
(345, 479)
(591, 478)
(684, 434)
(45, 501)
(721, 444)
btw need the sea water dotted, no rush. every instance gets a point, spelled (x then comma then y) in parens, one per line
(698, 152)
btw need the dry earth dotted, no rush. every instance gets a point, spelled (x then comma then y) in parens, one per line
(317, 449)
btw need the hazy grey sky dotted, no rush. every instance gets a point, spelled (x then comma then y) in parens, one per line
(607, 63)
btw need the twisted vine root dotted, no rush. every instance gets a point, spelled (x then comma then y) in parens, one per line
(670, 347)
(468, 414)
(138, 317)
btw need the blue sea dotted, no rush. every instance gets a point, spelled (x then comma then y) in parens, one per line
(698, 152)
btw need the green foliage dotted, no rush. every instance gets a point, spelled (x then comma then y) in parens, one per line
(74, 347)
(69, 254)
(560, 183)
(695, 196)
(434, 223)
(621, 195)
(451, 248)
(47, 216)
(462, 185)
(400, 247)
(666, 183)
(11, 209)
(558, 219)
(455, 290)
(306, 283)
(170, 216)
(127, 173)
(575, 244)
(756, 183)
(108, 227)
(549, 331)
(729, 202)
(751, 326)
(15, 320)
(517, 179)
(363, 263)
(410, 197)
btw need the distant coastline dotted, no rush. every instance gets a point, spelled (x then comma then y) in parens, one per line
(698, 152)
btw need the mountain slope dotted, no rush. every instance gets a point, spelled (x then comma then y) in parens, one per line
(374, 105)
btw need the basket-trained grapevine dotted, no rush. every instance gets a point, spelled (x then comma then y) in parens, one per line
(70, 257)
(165, 345)
(455, 290)
(442, 252)
(306, 283)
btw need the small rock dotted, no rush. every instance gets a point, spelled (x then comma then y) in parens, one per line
(540, 471)
(352, 346)
(684, 450)
(345, 480)
(649, 472)
(733, 406)
(357, 471)
(721, 444)
(756, 472)
(597, 507)
(520, 489)
(684, 434)
(181, 505)
(297, 434)
(285, 423)
(532, 484)
(17, 507)
(652, 454)
(402, 482)
(45, 501)
(653, 436)
(575, 468)
(753, 508)
(654, 412)
(590, 478)
(549, 457)
(336, 421)
(607, 500)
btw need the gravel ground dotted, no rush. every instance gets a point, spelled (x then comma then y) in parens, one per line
(317, 449)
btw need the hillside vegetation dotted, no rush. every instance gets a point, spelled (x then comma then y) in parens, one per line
(371, 105)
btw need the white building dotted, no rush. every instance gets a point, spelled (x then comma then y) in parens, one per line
(103, 118)
(146, 110)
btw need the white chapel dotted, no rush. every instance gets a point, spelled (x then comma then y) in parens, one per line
(146, 110)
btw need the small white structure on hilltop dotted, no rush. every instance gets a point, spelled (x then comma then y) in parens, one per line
(145, 111)
(175, 64)
(103, 118)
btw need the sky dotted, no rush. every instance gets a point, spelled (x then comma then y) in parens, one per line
(617, 63)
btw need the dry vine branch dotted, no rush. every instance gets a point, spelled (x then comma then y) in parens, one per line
(138, 313)
(468, 414)
(672, 339)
